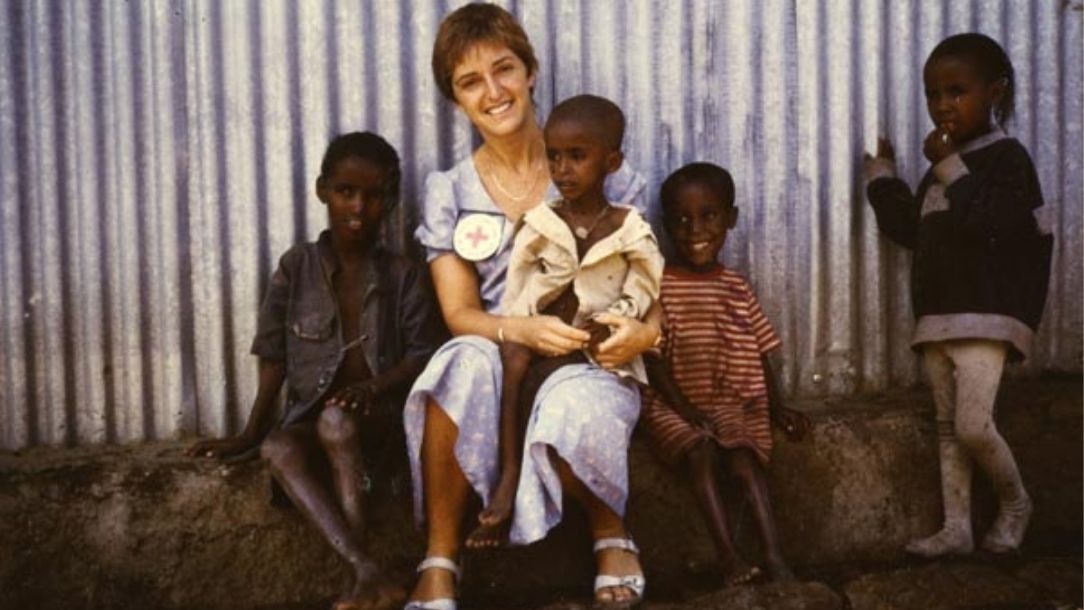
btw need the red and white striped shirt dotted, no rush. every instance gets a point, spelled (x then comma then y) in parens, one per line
(715, 333)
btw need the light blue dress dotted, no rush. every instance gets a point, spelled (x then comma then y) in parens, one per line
(586, 413)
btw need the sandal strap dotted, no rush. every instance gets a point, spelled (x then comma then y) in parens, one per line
(442, 563)
(616, 543)
(633, 582)
(444, 603)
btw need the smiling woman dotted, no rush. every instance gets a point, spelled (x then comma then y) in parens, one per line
(577, 441)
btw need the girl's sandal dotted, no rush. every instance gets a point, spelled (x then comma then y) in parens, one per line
(442, 603)
(633, 582)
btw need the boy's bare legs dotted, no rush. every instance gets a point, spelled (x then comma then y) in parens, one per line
(744, 465)
(703, 471)
(446, 489)
(604, 523)
(338, 432)
(495, 520)
(290, 452)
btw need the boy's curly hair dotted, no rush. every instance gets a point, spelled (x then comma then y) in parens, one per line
(370, 147)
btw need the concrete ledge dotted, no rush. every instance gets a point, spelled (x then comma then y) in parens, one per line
(119, 526)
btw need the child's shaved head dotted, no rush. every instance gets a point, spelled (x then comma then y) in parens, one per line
(597, 114)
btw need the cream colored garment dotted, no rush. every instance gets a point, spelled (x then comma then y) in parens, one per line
(620, 274)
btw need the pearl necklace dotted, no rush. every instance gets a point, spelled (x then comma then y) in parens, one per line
(495, 181)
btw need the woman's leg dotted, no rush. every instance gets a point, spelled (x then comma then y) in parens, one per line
(446, 489)
(702, 462)
(955, 535)
(979, 366)
(604, 523)
(744, 465)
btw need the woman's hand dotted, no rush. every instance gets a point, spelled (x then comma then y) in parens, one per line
(630, 338)
(546, 335)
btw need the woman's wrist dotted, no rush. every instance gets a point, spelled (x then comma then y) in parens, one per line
(508, 329)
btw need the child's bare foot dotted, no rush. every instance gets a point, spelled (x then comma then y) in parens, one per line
(495, 520)
(370, 591)
(737, 572)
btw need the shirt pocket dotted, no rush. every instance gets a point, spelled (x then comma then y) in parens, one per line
(313, 326)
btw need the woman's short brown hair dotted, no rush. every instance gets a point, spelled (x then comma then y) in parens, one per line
(470, 25)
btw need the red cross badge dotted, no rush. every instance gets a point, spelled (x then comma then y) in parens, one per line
(477, 236)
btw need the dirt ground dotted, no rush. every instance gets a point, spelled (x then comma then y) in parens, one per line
(143, 526)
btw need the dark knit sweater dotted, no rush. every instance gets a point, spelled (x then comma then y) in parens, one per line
(981, 266)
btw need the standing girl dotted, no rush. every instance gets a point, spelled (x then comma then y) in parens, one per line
(979, 275)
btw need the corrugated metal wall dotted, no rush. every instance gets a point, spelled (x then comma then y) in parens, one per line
(156, 157)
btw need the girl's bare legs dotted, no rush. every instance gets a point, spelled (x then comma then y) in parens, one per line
(446, 491)
(744, 465)
(704, 475)
(604, 523)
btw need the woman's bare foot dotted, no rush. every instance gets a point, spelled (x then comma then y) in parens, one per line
(371, 591)
(495, 520)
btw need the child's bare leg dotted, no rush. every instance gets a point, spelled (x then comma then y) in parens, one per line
(494, 520)
(338, 432)
(705, 481)
(744, 465)
(290, 454)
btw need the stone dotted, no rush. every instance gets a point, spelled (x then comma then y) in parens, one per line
(945, 585)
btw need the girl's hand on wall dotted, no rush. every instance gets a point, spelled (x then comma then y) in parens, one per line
(630, 338)
(884, 164)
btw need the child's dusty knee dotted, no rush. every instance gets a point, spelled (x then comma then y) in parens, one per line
(975, 433)
(336, 425)
(280, 449)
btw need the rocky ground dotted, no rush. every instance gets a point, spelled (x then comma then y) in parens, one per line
(143, 526)
(974, 583)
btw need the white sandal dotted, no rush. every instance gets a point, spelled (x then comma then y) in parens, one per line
(633, 582)
(442, 603)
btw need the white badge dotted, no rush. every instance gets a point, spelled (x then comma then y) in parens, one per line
(477, 236)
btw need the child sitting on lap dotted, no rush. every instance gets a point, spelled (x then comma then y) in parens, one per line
(713, 389)
(572, 258)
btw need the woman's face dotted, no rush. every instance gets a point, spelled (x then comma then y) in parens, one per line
(493, 88)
